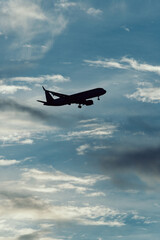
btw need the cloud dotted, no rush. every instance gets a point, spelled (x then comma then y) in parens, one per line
(6, 162)
(124, 63)
(65, 4)
(38, 214)
(43, 78)
(90, 129)
(137, 169)
(62, 177)
(26, 22)
(12, 105)
(96, 194)
(20, 208)
(106, 63)
(126, 28)
(31, 236)
(141, 66)
(35, 209)
(11, 89)
(146, 125)
(28, 122)
(22, 129)
(82, 149)
(23, 204)
(151, 95)
(94, 12)
(40, 182)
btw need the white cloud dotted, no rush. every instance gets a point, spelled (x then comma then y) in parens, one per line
(90, 128)
(104, 223)
(82, 149)
(126, 28)
(94, 12)
(41, 210)
(65, 4)
(24, 199)
(146, 95)
(25, 22)
(62, 177)
(100, 130)
(105, 63)
(96, 194)
(53, 78)
(11, 89)
(141, 66)
(124, 63)
(26, 141)
(89, 120)
(57, 181)
(6, 162)
(21, 129)
(27, 200)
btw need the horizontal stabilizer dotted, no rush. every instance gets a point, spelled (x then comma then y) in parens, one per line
(41, 101)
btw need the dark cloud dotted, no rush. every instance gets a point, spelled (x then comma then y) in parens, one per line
(31, 236)
(12, 105)
(145, 161)
(129, 182)
(147, 124)
(23, 200)
(35, 114)
(128, 168)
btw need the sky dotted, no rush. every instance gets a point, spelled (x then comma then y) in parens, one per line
(91, 173)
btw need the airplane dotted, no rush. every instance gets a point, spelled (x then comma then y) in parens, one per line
(77, 98)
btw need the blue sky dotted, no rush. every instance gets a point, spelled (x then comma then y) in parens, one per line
(69, 173)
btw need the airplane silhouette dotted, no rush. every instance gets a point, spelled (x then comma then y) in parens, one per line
(78, 98)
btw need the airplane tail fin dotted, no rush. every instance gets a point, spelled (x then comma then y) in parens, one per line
(49, 98)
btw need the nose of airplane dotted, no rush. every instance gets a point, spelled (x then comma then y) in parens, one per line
(104, 91)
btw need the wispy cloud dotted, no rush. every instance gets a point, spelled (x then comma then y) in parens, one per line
(89, 129)
(28, 21)
(82, 149)
(126, 28)
(56, 182)
(124, 63)
(24, 201)
(21, 129)
(22, 206)
(65, 4)
(60, 176)
(151, 95)
(11, 89)
(53, 78)
(94, 11)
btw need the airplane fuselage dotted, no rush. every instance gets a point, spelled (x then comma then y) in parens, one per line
(79, 98)
(82, 98)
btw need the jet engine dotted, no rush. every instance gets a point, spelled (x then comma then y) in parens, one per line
(89, 102)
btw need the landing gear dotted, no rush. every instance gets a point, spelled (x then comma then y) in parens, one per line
(79, 106)
(98, 98)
